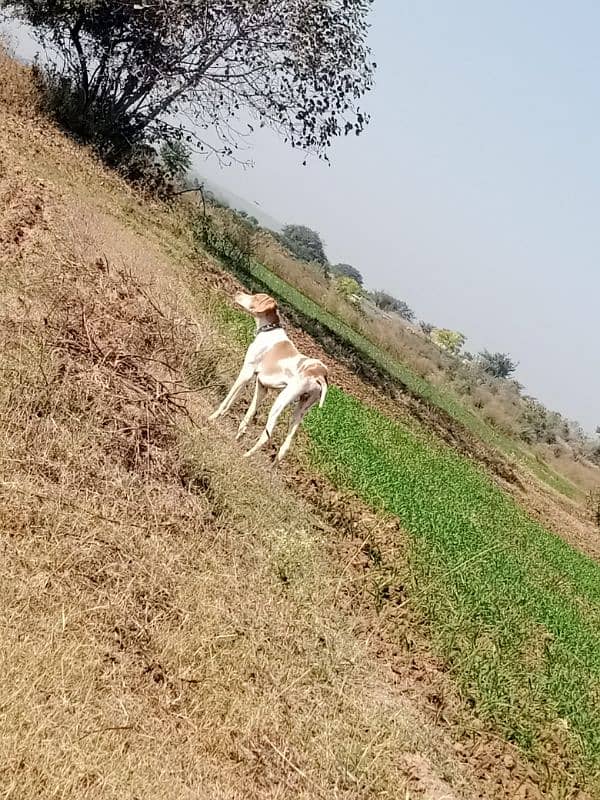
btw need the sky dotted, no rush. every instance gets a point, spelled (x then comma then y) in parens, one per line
(474, 194)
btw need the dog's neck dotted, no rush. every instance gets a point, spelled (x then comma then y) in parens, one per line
(267, 322)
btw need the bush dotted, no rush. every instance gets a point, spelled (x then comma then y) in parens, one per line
(348, 271)
(386, 302)
(304, 243)
(347, 286)
(499, 365)
(452, 341)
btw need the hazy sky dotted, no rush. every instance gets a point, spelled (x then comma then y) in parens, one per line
(475, 193)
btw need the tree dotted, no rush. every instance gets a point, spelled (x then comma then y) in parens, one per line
(347, 270)
(176, 159)
(386, 302)
(452, 341)
(128, 68)
(347, 286)
(500, 365)
(538, 424)
(426, 327)
(304, 243)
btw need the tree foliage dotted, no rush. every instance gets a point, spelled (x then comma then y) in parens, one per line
(500, 365)
(452, 341)
(386, 302)
(304, 243)
(176, 159)
(538, 424)
(348, 271)
(129, 68)
(347, 286)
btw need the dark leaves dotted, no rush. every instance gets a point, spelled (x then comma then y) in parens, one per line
(298, 67)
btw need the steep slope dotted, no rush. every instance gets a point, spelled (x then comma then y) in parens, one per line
(178, 622)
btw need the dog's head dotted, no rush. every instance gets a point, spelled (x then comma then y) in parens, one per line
(261, 306)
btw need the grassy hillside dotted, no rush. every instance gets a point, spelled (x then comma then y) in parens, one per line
(492, 409)
(376, 619)
(256, 274)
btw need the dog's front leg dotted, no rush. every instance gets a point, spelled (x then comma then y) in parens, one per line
(259, 393)
(243, 378)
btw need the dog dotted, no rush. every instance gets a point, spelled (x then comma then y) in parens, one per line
(275, 363)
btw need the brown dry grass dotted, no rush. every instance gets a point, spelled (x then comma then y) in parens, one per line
(17, 90)
(168, 625)
(581, 472)
(179, 623)
(174, 622)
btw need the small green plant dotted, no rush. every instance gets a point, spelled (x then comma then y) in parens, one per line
(452, 341)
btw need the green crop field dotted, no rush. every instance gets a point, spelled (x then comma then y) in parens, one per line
(512, 608)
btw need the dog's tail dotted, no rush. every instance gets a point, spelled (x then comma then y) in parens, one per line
(322, 381)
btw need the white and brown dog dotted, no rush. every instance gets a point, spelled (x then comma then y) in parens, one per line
(275, 363)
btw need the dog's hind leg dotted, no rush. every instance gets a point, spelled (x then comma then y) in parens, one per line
(287, 396)
(304, 405)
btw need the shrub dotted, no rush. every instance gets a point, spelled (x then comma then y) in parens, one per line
(499, 365)
(386, 302)
(347, 286)
(348, 271)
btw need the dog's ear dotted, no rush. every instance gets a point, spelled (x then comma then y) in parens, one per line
(264, 304)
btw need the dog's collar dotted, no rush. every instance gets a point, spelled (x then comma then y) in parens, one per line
(271, 326)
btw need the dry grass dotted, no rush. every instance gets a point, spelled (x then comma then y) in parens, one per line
(179, 623)
(576, 469)
(17, 90)
(174, 623)
(305, 277)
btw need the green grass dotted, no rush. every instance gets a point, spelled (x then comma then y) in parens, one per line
(513, 608)
(440, 398)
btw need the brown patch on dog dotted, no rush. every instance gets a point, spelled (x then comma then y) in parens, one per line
(273, 357)
(314, 369)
